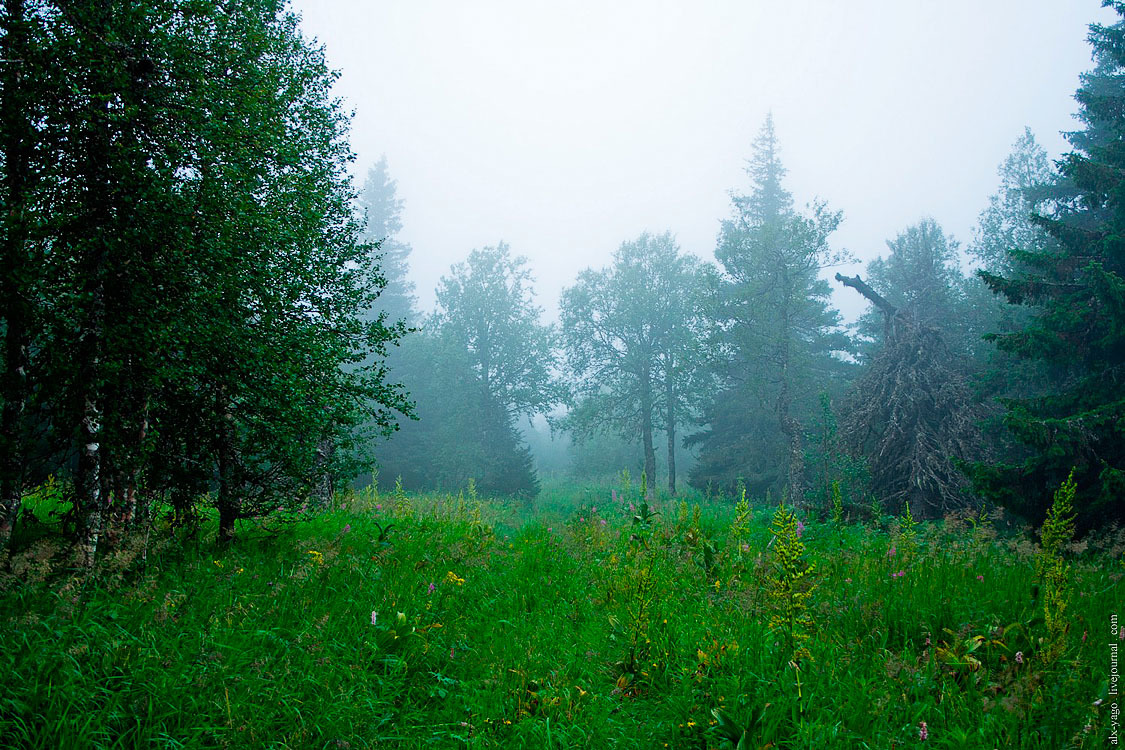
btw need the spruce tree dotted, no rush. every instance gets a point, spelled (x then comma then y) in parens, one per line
(381, 214)
(775, 332)
(1075, 289)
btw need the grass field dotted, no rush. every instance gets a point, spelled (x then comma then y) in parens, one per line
(438, 621)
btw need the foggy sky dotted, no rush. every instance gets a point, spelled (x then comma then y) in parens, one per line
(566, 128)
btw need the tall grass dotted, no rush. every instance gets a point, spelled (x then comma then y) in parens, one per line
(449, 621)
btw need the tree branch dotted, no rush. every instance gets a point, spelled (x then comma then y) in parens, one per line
(855, 282)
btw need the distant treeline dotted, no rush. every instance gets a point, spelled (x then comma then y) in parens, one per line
(953, 389)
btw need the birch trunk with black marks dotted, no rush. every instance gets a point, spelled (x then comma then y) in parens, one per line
(92, 235)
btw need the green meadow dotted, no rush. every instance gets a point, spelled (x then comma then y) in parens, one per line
(589, 620)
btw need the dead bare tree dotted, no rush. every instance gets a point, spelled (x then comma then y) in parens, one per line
(912, 416)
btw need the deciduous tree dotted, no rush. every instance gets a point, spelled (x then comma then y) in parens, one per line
(632, 334)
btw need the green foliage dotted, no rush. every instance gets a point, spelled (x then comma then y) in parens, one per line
(1074, 286)
(198, 305)
(789, 589)
(381, 215)
(633, 339)
(503, 637)
(462, 431)
(740, 527)
(483, 359)
(774, 334)
(1052, 570)
(1058, 526)
(921, 273)
(486, 310)
(1028, 182)
(837, 504)
(1026, 179)
(907, 531)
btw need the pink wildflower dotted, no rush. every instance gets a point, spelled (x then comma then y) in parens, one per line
(550, 529)
(347, 528)
(594, 510)
(432, 587)
(1083, 636)
(1019, 657)
(980, 578)
(927, 643)
(582, 519)
(891, 551)
(451, 653)
(378, 506)
(1121, 634)
(603, 522)
(923, 733)
(613, 494)
(373, 617)
(800, 529)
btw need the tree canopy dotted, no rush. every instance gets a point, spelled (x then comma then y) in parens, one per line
(632, 336)
(187, 282)
(775, 332)
(1074, 287)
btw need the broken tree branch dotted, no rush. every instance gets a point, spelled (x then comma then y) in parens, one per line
(855, 282)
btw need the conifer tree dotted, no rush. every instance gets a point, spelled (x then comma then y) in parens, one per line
(381, 210)
(775, 332)
(1074, 288)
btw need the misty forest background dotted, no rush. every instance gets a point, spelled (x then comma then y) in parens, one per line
(198, 310)
(207, 326)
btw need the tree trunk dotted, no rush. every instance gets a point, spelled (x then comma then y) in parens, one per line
(795, 472)
(670, 426)
(16, 312)
(796, 463)
(88, 482)
(888, 310)
(93, 246)
(323, 488)
(646, 437)
(127, 516)
(855, 282)
(229, 485)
